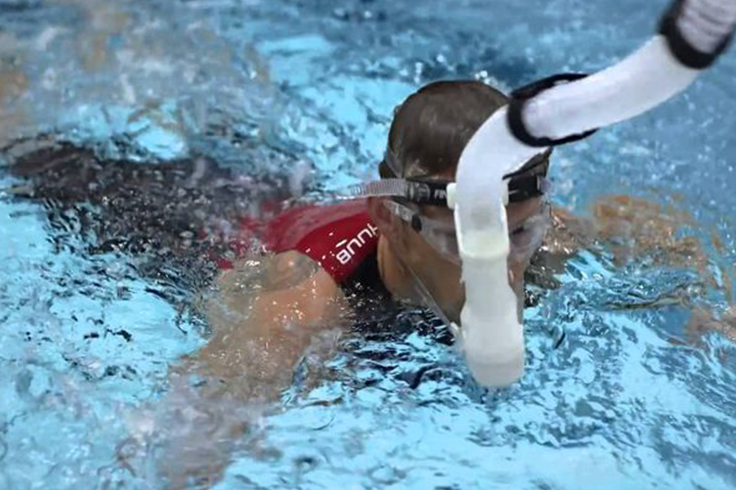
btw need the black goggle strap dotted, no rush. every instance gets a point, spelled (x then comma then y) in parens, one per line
(525, 183)
(528, 182)
(427, 192)
(531, 166)
(523, 188)
(434, 192)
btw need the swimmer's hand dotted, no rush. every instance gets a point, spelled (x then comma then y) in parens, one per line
(190, 436)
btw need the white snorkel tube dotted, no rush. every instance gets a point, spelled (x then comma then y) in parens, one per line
(693, 33)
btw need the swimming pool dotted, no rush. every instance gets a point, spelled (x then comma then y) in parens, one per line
(618, 394)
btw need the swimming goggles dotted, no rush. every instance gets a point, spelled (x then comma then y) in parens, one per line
(528, 182)
(408, 194)
(524, 239)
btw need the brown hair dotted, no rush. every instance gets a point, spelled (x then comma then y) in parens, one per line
(433, 126)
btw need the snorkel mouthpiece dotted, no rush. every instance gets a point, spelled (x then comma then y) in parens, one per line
(492, 337)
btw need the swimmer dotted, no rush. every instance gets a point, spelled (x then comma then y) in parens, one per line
(406, 243)
(328, 265)
(330, 259)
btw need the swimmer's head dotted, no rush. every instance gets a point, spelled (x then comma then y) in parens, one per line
(428, 134)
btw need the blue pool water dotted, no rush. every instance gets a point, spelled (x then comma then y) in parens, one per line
(618, 394)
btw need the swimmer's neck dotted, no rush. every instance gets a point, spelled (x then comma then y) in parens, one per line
(393, 273)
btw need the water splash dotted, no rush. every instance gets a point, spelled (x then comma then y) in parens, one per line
(193, 103)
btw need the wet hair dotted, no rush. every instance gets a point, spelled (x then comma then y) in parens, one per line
(433, 126)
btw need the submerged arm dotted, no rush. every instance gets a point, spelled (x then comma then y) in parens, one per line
(263, 316)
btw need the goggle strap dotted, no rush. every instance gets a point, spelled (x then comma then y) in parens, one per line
(379, 188)
(425, 192)
(418, 191)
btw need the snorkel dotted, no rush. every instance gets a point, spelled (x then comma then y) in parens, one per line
(555, 111)
(491, 336)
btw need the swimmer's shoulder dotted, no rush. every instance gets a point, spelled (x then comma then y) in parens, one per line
(322, 257)
(287, 280)
(275, 272)
(340, 238)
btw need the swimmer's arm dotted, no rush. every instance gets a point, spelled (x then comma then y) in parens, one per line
(263, 317)
(262, 325)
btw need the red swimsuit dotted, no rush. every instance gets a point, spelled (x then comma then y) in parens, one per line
(340, 238)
